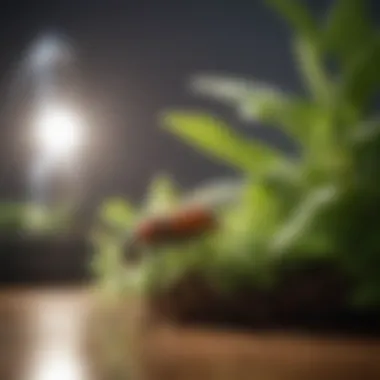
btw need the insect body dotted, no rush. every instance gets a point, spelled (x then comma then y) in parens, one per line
(183, 224)
(196, 216)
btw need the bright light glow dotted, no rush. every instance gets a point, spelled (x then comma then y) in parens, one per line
(56, 364)
(49, 50)
(59, 131)
(57, 323)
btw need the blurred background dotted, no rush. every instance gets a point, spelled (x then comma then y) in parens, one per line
(120, 64)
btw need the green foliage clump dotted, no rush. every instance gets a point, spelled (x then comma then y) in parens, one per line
(114, 226)
(325, 205)
(16, 217)
(46, 220)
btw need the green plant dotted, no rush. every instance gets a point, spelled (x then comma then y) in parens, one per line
(313, 207)
(322, 206)
(46, 220)
(12, 216)
(25, 217)
(114, 224)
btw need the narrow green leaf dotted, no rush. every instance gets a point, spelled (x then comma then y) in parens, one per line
(307, 46)
(251, 99)
(361, 79)
(218, 140)
(295, 117)
(267, 105)
(216, 193)
(263, 209)
(298, 16)
(163, 195)
(302, 221)
(366, 133)
(117, 212)
(313, 71)
(348, 28)
(231, 90)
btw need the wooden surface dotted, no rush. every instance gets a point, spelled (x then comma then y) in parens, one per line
(42, 334)
(222, 356)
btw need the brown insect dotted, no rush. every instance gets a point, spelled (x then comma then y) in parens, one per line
(195, 217)
(183, 224)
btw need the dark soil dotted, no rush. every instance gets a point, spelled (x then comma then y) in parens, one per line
(312, 298)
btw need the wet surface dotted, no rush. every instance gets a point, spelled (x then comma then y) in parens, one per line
(42, 334)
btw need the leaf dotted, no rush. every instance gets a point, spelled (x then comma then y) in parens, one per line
(348, 28)
(249, 226)
(361, 78)
(216, 193)
(298, 16)
(301, 222)
(366, 132)
(313, 71)
(162, 196)
(358, 49)
(254, 102)
(307, 46)
(365, 145)
(262, 208)
(218, 140)
(110, 265)
(117, 213)
(295, 117)
(316, 128)
(246, 232)
(231, 90)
